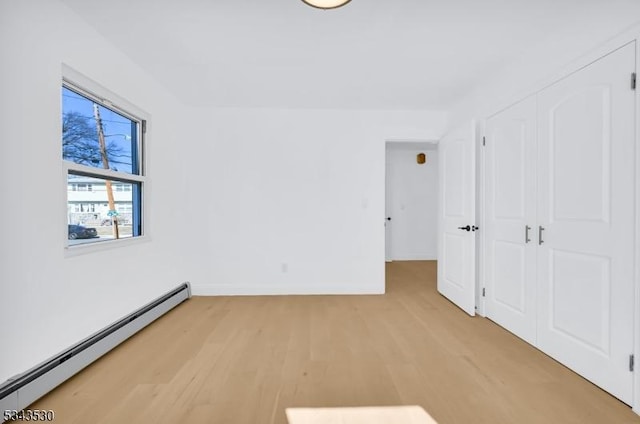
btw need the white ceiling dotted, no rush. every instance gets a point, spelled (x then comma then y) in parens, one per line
(370, 54)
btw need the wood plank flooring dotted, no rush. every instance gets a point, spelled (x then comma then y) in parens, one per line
(245, 359)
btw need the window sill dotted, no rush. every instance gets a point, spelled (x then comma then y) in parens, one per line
(98, 246)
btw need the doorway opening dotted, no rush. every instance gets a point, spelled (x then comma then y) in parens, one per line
(411, 202)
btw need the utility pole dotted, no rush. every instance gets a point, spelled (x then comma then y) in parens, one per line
(105, 165)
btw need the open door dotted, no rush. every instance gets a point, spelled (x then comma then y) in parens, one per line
(456, 225)
(388, 257)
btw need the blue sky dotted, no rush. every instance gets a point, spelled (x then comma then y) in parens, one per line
(117, 128)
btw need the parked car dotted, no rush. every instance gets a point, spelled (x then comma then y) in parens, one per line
(80, 232)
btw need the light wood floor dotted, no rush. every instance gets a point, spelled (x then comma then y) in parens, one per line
(246, 359)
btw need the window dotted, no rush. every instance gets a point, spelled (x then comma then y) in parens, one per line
(122, 187)
(102, 153)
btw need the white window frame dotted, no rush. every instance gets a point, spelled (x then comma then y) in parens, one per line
(104, 97)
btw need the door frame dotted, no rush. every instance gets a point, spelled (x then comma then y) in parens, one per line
(481, 125)
(629, 36)
(391, 143)
(636, 311)
(388, 224)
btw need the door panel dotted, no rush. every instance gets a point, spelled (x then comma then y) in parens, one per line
(453, 260)
(584, 318)
(456, 247)
(508, 143)
(454, 175)
(509, 278)
(581, 187)
(510, 206)
(586, 207)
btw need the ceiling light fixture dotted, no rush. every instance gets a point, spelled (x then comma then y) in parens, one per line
(326, 4)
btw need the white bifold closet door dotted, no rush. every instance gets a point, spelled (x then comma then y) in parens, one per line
(510, 217)
(586, 172)
(560, 201)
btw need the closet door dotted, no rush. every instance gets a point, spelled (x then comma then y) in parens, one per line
(586, 221)
(510, 211)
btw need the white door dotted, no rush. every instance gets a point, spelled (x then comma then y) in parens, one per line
(387, 239)
(388, 205)
(456, 220)
(510, 219)
(586, 221)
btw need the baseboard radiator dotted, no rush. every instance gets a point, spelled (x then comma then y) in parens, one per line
(24, 389)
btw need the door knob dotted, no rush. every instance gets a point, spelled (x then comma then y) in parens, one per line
(467, 228)
(388, 218)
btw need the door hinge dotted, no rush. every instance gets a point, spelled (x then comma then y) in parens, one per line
(484, 292)
(633, 81)
(631, 362)
(484, 141)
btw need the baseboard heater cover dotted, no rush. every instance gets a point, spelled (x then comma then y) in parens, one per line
(24, 389)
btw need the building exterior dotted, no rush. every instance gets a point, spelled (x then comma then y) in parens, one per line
(87, 201)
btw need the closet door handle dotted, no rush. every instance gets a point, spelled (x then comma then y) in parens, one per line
(526, 234)
(540, 230)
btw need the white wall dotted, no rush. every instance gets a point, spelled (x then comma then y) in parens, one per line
(600, 24)
(50, 301)
(233, 194)
(413, 202)
(292, 201)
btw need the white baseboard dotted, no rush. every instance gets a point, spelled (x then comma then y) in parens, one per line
(415, 258)
(279, 290)
(22, 390)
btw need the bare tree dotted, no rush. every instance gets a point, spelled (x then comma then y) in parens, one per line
(80, 141)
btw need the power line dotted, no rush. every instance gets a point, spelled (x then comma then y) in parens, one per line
(106, 120)
(90, 117)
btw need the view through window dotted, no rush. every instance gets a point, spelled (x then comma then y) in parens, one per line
(102, 150)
